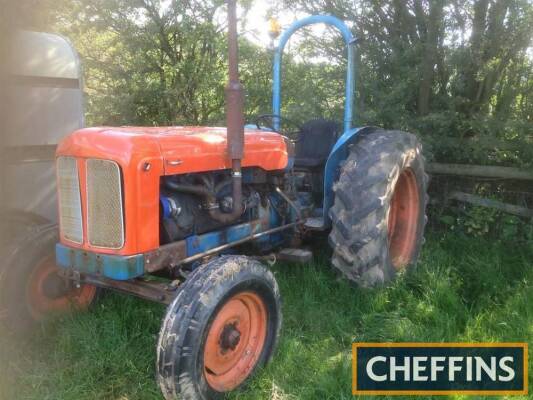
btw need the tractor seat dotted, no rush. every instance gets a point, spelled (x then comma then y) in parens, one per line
(315, 140)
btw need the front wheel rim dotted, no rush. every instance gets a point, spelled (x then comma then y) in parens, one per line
(235, 341)
(403, 219)
(41, 304)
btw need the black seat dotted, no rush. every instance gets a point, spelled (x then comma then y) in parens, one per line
(315, 141)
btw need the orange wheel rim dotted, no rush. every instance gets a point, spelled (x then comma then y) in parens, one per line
(403, 219)
(42, 303)
(235, 341)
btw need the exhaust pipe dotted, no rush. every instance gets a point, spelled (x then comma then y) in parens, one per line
(234, 93)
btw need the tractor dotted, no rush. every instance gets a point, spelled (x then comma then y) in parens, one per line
(186, 216)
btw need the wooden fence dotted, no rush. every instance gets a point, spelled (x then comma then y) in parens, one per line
(484, 172)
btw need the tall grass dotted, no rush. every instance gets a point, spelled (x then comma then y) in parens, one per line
(462, 290)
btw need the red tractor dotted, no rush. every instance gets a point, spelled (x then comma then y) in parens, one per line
(199, 207)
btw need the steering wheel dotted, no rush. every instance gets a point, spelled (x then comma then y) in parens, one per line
(267, 121)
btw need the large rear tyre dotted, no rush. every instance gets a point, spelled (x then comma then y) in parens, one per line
(31, 290)
(224, 324)
(378, 216)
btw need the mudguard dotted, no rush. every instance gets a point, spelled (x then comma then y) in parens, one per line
(338, 154)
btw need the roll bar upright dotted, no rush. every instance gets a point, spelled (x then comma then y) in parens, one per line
(349, 39)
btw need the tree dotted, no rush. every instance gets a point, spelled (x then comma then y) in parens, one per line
(456, 71)
(147, 63)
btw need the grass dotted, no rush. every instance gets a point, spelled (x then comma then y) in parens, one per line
(463, 290)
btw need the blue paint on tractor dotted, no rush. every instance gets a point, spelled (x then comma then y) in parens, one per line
(349, 39)
(338, 154)
(129, 267)
(199, 243)
(275, 219)
(116, 267)
(340, 150)
(165, 205)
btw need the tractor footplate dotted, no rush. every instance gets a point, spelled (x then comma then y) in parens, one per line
(315, 224)
(295, 255)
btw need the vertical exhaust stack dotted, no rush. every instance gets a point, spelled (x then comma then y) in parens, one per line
(234, 117)
(234, 90)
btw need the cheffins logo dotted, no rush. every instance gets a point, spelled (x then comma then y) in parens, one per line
(439, 368)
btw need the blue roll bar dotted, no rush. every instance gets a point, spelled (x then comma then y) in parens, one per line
(349, 39)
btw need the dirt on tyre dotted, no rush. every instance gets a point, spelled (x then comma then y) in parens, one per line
(378, 216)
(31, 290)
(222, 326)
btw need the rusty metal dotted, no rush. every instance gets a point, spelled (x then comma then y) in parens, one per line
(234, 119)
(168, 255)
(301, 256)
(173, 254)
(165, 256)
(159, 292)
(290, 202)
(237, 204)
(237, 242)
(230, 337)
(234, 90)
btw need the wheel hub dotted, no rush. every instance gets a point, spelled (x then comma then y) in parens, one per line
(54, 287)
(230, 337)
(235, 341)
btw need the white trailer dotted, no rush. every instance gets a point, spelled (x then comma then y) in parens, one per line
(43, 102)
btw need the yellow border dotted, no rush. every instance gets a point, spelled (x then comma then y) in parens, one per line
(436, 392)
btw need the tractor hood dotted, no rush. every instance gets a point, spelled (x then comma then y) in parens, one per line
(177, 150)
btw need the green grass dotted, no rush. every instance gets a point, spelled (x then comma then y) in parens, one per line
(463, 290)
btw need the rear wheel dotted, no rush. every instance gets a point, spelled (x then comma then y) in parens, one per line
(30, 288)
(378, 215)
(223, 325)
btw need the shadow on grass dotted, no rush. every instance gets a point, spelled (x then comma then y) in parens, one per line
(462, 290)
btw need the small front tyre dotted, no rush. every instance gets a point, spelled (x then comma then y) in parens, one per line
(224, 324)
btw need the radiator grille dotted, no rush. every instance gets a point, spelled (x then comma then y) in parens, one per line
(105, 222)
(68, 185)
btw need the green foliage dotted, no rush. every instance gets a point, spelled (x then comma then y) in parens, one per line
(457, 73)
(477, 221)
(148, 62)
(464, 289)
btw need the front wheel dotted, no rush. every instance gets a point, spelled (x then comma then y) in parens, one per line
(224, 324)
(31, 290)
(378, 216)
